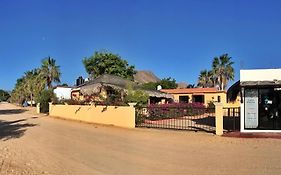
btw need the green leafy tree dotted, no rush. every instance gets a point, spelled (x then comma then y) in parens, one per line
(108, 63)
(168, 83)
(33, 83)
(206, 79)
(138, 96)
(223, 70)
(28, 87)
(19, 93)
(50, 71)
(44, 98)
(150, 85)
(4, 95)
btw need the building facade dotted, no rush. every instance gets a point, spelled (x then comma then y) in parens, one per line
(261, 100)
(201, 95)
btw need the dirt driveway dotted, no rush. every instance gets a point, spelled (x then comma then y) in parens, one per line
(32, 144)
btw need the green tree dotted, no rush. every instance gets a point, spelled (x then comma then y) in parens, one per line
(222, 70)
(150, 85)
(33, 83)
(168, 83)
(50, 71)
(165, 83)
(138, 96)
(44, 98)
(19, 93)
(4, 95)
(108, 63)
(205, 79)
(28, 87)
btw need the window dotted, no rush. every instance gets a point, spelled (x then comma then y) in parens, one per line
(219, 99)
(183, 99)
(198, 98)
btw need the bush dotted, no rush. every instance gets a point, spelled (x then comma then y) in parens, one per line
(137, 96)
(4, 95)
(174, 110)
(211, 104)
(44, 98)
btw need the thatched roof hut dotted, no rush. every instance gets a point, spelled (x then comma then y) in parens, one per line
(117, 83)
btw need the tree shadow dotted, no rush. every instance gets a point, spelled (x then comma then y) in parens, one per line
(11, 111)
(13, 129)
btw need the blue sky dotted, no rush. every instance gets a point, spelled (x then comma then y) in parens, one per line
(175, 38)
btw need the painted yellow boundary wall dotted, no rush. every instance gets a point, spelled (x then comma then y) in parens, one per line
(123, 116)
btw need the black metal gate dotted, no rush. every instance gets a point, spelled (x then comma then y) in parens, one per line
(231, 119)
(179, 118)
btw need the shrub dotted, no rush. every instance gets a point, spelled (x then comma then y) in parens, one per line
(211, 104)
(174, 110)
(137, 96)
(44, 98)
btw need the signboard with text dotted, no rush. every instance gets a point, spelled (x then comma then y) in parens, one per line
(251, 108)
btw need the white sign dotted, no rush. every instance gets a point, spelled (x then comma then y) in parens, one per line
(251, 108)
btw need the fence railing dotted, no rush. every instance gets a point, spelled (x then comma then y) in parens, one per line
(181, 118)
(231, 118)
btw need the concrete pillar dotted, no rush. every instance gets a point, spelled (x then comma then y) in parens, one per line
(38, 108)
(219, 118)
(50, 107)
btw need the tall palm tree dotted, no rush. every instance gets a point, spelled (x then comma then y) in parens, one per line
(205, 79)
(223, 70)
(50, 71)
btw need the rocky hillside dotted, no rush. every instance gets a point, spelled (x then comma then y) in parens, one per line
(145, 77)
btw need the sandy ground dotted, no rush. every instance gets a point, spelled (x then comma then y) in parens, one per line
(33, 144)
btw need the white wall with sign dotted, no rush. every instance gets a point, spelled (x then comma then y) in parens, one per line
(251, 108)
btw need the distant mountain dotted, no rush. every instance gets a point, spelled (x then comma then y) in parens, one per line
(145, 77)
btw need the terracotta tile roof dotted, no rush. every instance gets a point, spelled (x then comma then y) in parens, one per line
(190, 90)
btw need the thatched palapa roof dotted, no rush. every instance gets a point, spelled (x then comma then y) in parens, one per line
(118, 83)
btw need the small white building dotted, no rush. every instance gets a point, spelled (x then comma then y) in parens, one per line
(63, 93)
(261, 100)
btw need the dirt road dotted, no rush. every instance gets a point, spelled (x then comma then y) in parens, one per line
(32, 144)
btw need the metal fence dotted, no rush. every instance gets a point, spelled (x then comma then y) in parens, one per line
(231, 119)
(180, 118)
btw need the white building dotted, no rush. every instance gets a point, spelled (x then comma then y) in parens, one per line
(261, 100)
(63, 93)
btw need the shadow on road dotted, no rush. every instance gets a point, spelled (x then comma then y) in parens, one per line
(11, 111)
(13, 129)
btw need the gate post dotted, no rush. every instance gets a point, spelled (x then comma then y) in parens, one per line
(219, 118)
(38, 108)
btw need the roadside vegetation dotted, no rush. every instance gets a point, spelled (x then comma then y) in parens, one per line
(36, 85)
(32, 85)
(4, 95)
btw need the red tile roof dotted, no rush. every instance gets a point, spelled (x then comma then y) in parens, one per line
(190, 90)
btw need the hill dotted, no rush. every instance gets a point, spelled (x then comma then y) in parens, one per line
(145, 77)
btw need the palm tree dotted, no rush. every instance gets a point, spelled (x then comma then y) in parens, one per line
(205, 79)
(50, 71)
(223, 70)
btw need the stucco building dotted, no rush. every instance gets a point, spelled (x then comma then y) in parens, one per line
(201, 95)
(261, 100)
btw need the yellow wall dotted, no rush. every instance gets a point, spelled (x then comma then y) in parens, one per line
(211, 96)
(118, 116)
